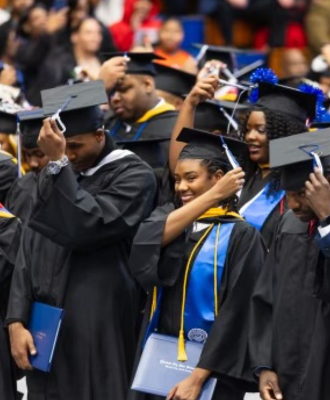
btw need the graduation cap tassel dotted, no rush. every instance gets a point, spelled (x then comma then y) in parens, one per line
(230, 119)
(317, 161)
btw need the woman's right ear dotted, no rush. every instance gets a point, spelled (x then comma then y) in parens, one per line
(219, 174)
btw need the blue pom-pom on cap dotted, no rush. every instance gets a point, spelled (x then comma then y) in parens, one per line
(261, 75)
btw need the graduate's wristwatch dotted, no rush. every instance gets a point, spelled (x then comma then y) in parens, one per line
(54, 167)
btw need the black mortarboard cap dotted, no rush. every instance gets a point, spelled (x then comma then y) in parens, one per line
(149, 150)
(30, 125)
(79, 104)
(8, 123)
(173, 80)
(210, 117)
(288, 101)
(221, 53)
(207, 146)
(292, 155)
(140, 63)
(8, 118)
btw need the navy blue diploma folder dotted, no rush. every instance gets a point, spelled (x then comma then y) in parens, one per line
(159, 371)
(45, 323)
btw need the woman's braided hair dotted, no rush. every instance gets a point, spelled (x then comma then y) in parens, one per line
(277, 126)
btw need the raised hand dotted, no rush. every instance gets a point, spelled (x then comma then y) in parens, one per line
(51, 140)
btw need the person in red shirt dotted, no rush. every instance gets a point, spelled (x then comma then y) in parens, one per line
(139, 16)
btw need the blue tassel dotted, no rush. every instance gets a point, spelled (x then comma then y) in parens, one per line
(320, 98)
(261, 75)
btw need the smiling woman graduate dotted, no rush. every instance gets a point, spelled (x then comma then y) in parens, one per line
(276, 111)
(167, 254)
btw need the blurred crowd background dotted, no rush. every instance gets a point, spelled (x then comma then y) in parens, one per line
(45, 43)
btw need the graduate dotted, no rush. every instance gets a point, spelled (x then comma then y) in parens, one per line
(139, 114)
(23, 192)
(290, 341)
(276, 111)
(74, 252)
(179, 237)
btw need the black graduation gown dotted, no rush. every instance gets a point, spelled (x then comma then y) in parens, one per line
(291, 321)
(74, 254)
(9, 241)
(252, 187)
(157, 127)
(226, 350)
(22, 195)
(8, 174)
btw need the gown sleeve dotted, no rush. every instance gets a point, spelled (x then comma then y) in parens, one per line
(226, 352)
(10, 232)
(72, 217)
(21, 295)
(322, 273)
(150, 264)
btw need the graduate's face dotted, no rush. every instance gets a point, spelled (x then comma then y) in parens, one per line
(35, 159)
(192, 179)
(132, 97)
(297, 202)
(83, 150)
(256, 138)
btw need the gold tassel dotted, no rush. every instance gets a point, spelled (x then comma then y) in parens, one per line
(154, 303)
(182, 355)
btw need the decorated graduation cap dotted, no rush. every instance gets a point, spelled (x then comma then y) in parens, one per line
(30, 125)
(173, 80)
(140, 63)
(305, 102)
(213, 115)
(207, 146)
(149, 150)
(76, 107)
(298, 155)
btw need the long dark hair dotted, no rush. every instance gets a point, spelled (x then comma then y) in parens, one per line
(277, 126)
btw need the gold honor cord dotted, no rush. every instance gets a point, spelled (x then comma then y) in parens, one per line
(182, 355)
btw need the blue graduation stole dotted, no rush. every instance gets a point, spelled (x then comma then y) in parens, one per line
(201, 306)
(200, 301)
(257, 210)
